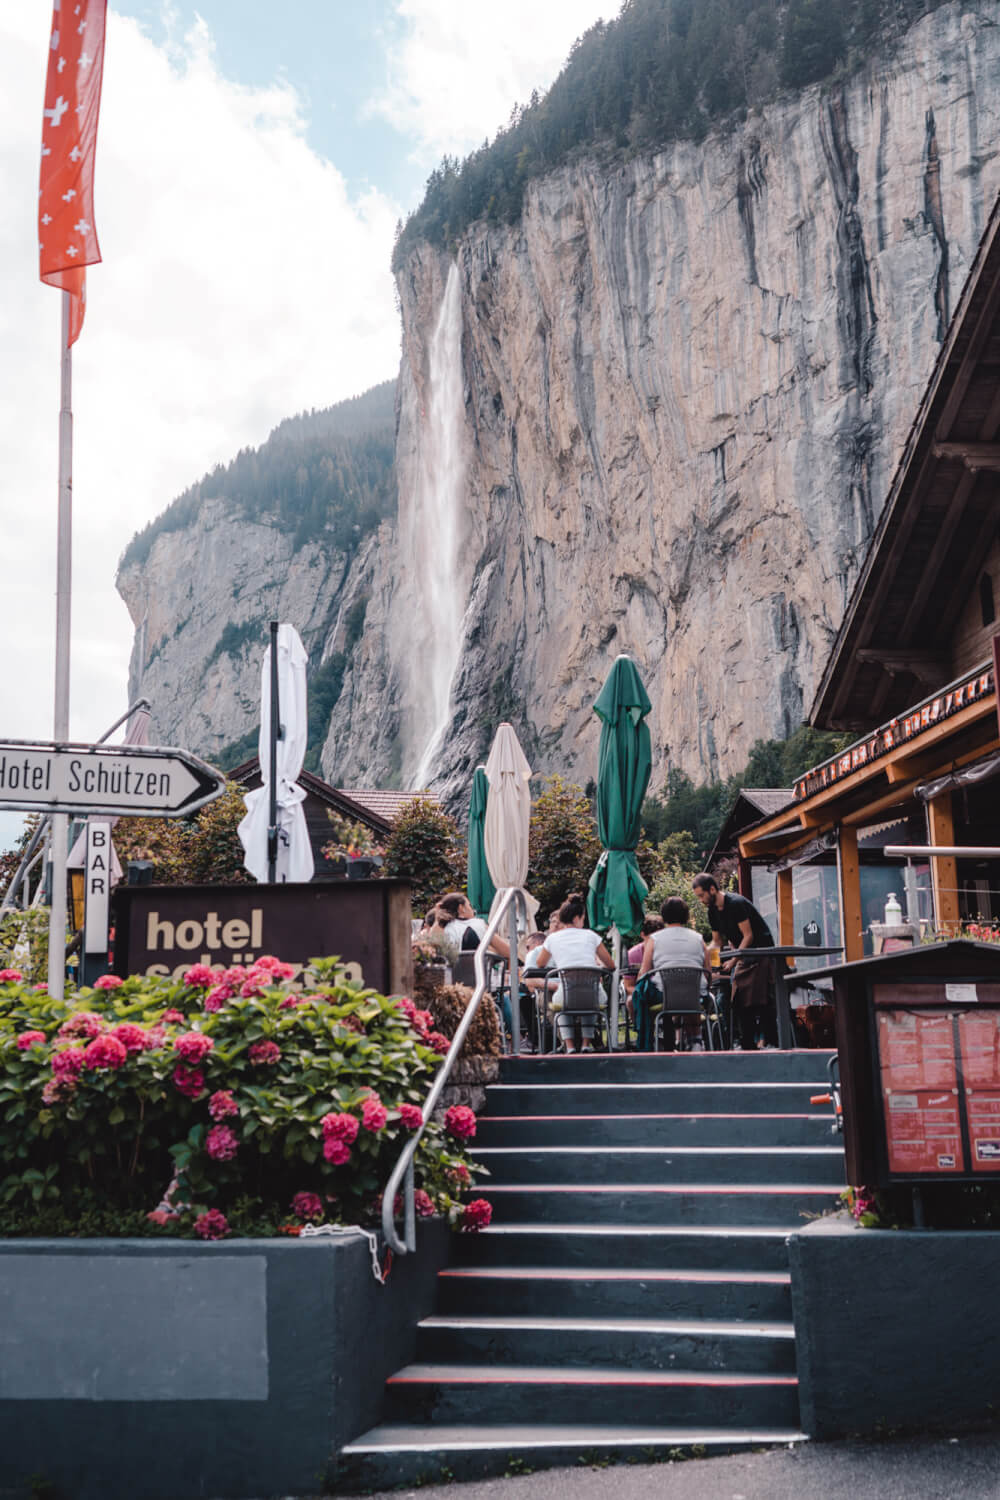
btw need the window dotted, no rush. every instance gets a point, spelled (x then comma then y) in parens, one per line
(987, 603)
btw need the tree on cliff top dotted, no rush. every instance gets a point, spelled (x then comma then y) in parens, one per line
(662, 70)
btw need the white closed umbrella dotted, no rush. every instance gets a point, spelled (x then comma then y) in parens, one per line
(505, 840)
(294, 851)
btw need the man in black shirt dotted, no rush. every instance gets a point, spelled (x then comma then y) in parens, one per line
(737, 923)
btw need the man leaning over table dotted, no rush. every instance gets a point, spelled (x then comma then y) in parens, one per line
(736, 923)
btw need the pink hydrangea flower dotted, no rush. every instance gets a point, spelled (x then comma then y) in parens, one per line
(217, 996)
(67, 1062)
(222, 1105)
(57, 1089)
(477, 1214)
(221, 1143)
(192, 1046)
(411, 1116)
(438, 1042)
(84, 1023)
(422, 1021)
(406, 1005)
(155, 1037)
(263, 1053)
(459, 1175)
(133, 1038)
(189, 1081)
(212, 1225)
(460, 1121)
(29, 1039)
(342, 1127)
(423, 1203)
(338, 1153)
(104, 1052)
(275, 966)
(108, 982)
(253, 985)
(307, 1206)
(40, 989)
(292, 1002)
(10, 976)
(234, 976)
(172, 1018)
(374, 1113)
(199, 976)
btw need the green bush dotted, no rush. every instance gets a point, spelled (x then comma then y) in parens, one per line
(564, 845)
(228, 1095)
(425, 847)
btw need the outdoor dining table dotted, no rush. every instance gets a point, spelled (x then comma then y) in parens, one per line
(782, 980)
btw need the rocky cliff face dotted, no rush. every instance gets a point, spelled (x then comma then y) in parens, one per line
(685, 382)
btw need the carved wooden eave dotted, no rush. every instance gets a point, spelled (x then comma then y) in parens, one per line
(940, 518)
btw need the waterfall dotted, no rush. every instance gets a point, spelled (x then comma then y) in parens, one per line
(433, 537)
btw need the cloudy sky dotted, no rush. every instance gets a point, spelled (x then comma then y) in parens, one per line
(252, 162)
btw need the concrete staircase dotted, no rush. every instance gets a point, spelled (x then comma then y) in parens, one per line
(631, 1297)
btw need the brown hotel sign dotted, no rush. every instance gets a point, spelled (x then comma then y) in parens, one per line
(165, 929)
(904, 730)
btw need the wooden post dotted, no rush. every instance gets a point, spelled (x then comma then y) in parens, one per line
(944, 870)
(786, 915)
(849, 873)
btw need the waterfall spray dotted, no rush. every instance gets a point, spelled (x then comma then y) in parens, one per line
(433, 537)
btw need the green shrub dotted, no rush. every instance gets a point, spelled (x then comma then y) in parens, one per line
(117, 1098)
(425, 847)
(564, 845)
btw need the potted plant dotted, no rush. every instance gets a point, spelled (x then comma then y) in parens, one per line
(353, 851)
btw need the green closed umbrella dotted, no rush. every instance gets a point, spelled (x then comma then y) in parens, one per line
(617, 890)
(480, 887)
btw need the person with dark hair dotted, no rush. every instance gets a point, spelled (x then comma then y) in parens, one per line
(463, 928)
(634, 956)
(676, 946)
(573, 947)
(737, 923)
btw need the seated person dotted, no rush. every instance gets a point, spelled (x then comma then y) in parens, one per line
(573, 946)
(634, 959)
(463, 928)
(677, 946)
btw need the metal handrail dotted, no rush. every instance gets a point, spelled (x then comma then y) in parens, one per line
(512, 903)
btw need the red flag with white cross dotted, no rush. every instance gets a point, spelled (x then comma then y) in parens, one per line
(67, 239)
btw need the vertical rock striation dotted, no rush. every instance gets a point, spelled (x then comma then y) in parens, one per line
(687, 380)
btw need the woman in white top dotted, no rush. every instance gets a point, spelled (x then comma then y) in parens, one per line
(464, 928)
(676, 946)
(574, 947)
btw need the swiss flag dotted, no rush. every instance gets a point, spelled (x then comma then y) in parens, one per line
(67, 239)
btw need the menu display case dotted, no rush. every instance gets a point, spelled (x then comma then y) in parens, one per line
(918, 1035)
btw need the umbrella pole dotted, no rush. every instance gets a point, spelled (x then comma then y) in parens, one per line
(515, 986)
(272, 812)
(616, 949)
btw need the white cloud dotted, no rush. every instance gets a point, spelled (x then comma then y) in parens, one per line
(458, 69)
(240, 284)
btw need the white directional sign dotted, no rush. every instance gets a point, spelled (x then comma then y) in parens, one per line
(150, 781)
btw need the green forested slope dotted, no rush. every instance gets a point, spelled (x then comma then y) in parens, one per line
(326, 474)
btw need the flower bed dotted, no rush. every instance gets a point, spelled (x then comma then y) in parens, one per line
(226, 1103)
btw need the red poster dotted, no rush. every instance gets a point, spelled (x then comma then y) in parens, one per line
(916, 1049)
(923, 1131)
(983, 1113)
(979, 1033)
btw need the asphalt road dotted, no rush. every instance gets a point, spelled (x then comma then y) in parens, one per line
(940, 1468)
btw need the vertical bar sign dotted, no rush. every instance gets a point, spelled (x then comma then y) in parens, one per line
(98, 887)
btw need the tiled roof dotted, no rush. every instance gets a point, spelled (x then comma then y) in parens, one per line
(769, 800)
(387, 805)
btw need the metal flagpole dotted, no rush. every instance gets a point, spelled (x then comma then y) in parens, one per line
(64, 579)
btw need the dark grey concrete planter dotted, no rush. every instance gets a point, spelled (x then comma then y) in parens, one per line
(169, 1368)
(894, 1328)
